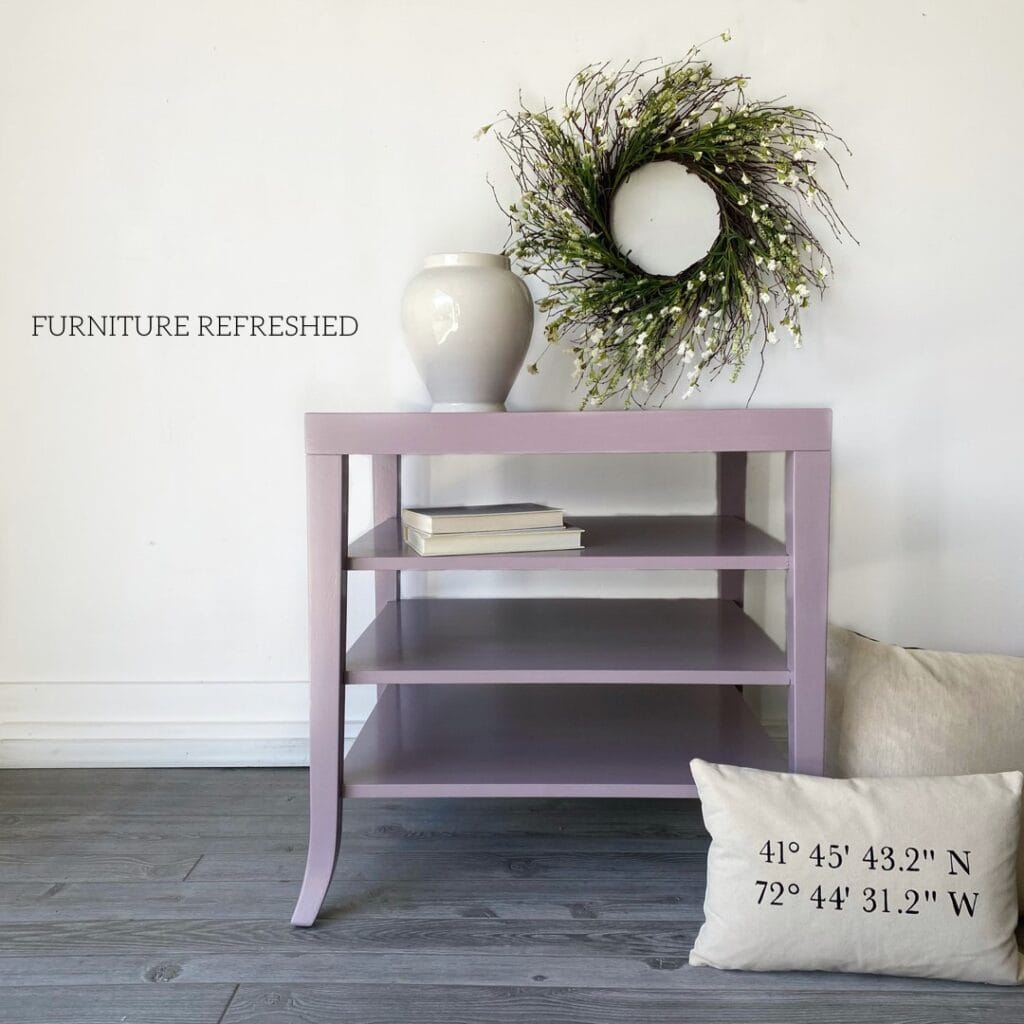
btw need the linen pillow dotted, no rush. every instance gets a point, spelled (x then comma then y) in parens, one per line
(909, 876)
(893, 711)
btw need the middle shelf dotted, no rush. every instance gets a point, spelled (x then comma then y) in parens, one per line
(609, 542)
(565, 640)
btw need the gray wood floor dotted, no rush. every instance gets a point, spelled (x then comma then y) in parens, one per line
(164, 896)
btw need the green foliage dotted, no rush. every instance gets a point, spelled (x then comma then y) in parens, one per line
(635, 334)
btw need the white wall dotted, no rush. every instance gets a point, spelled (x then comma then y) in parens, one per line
(301, 157)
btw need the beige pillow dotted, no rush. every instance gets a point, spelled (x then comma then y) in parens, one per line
(904, 876)
(893, 711)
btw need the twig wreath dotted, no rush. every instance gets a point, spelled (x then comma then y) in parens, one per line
(635, 333)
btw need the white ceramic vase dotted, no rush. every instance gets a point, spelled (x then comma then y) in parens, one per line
(467, 320)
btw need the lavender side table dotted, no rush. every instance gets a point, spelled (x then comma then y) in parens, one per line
(577, 701)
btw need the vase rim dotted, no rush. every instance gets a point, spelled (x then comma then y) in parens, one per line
(467, 259)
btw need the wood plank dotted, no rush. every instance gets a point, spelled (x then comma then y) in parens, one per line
(147, 791)
(565, 640)
(27, 841)
(157, 828)
(146, 785)
(347, 933)
(103, 1004)
(536, 898)
(171, 849)
(251, 858)
(610, 542)
(471, 968)
(549, 814)
(109, 865)
(259, 803)
(417, 825)
(442, 1004)
(256, 801)
(556, 740)
(476, 869)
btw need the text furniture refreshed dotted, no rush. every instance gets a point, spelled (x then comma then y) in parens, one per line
(550, 696)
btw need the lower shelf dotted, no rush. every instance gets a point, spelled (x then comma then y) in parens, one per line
(559, 740)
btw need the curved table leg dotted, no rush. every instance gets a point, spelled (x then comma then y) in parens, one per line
(327, 496)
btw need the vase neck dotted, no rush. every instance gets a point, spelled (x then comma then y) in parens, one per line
(467, 259)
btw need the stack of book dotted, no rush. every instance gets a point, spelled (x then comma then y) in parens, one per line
(487, 529)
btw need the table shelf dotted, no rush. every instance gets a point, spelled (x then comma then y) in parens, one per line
(565, 640)
(610, 542)
(550, 741)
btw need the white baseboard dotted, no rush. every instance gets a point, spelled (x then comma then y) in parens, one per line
(239, 751)
(136, 725)
(181, 745)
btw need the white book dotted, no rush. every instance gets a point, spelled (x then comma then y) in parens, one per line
(482, 518)
(493, 542)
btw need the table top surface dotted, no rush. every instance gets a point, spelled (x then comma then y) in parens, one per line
(682, 430)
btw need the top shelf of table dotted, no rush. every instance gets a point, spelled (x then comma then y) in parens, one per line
(483, 433)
